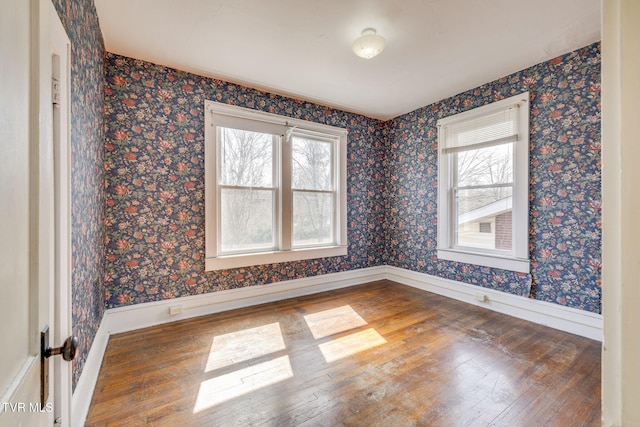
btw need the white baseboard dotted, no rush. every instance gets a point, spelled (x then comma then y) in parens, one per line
(572, 320)
(123, 319)
(83, 393)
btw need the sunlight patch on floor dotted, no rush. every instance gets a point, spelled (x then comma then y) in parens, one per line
(226, 387)
(243, 345)
(252, 343)
(333, 321)
(351, 344)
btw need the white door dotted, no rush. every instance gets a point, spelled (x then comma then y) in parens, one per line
(32, 227)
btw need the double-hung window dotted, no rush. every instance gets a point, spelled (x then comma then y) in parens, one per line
(483, 173)
(275, 188)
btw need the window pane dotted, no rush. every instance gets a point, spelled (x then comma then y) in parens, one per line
(483, 218)
(247, 219)
(311, 167)
(246, 157)
(490, 165)
(312, 218)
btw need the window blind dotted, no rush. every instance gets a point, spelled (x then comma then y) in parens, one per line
(471, 134)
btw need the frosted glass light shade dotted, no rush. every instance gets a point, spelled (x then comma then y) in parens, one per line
(369, 44)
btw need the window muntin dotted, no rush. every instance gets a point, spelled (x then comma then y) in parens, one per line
(277, 187)
(483, 179)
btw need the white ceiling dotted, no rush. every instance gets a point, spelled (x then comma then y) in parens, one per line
(302, 48)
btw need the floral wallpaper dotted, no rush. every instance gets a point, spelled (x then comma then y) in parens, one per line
(87, 141)
(154, 184)
(154, 201)
(565, 191)
(137, 177)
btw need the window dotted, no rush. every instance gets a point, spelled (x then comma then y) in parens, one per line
(483, 182)
(275, 188)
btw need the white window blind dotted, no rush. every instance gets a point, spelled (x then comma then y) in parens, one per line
(480, 132)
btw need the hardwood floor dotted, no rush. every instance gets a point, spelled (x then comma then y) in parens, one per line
(378, 354)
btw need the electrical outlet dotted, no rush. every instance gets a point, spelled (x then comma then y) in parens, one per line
(175, 309)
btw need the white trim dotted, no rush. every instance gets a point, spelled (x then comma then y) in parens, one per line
(487, 260)
(276, 119)
(520, 197)
(63, 323)
(572, 320)
(124, 319)
(217, 114)
(272, 257)
(82, 395)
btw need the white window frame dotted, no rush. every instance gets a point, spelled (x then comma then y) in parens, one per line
(518, 258)
(217, 114)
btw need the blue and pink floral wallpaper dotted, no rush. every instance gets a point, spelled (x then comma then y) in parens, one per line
(154, 166)
(87, 176)
(154, 184)
(138, 191)
(565, 197)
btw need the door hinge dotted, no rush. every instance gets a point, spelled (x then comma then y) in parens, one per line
(55, 92)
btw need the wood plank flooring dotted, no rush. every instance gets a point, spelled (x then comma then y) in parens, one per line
(380, 354)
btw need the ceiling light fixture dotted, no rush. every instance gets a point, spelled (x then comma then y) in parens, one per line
(369, 44)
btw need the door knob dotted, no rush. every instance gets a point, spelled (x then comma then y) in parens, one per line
(68, 349)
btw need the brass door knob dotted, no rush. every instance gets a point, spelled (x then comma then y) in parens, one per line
(68, 350)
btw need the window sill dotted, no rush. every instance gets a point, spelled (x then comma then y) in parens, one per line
(246, 260)
(486, 260)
